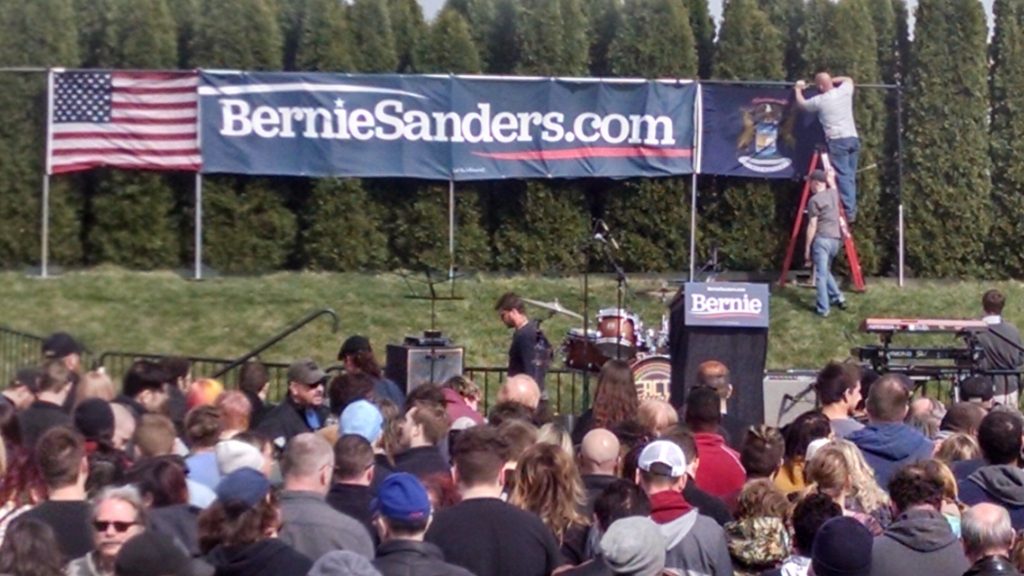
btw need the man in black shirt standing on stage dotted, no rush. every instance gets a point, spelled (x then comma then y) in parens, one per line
(530, 352)
(1001, 348)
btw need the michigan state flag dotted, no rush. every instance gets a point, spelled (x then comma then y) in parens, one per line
(756, 131)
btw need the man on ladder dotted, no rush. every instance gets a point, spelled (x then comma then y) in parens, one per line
(834, 107)
(824, 238)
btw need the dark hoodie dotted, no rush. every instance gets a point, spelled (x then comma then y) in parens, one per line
(920, 541)
(269, 557)
(1002, 485)
(887, 447)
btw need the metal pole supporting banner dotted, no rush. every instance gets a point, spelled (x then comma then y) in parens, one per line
(451, 229)
(44, 260)
(198, 274)
(698, 139)
(899, 183)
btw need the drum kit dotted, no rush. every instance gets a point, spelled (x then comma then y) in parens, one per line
(620, 334)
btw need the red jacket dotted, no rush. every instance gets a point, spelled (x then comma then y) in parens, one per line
(720, 472)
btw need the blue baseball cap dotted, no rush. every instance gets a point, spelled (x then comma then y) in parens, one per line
(401, 496)
(362, 417)
(244, 485)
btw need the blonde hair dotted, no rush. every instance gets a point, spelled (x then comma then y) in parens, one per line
(829, 472)
(655, 416)
(863, 486)
(938, 469)
(958, 447)
(556, 435)
(95, 384)
(548, 484)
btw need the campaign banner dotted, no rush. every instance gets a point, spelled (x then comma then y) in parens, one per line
(732, 304)
(756, 131)
(443, 127)
(555, 128)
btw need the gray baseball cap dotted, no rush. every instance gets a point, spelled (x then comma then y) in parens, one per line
(306, 372)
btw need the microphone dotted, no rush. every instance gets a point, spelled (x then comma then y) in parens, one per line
(606, 240)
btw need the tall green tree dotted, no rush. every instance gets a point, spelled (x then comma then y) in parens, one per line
(372, 36)
(654, 41)
(1007, 133)
(186, 17)
(539, 38)
(503, 38)
(409, 30)
(239, 34)
(947, 191)
(246, 227)
(132, 218)
(851, 50)
(479, 16)
(40, 33)
(418, 228)
(652, 240)
(575, 50)
(449, 46)
(342, 228)
(538, 228)
(789, 18)
(324, 38)
(741, 215)
(91, 18)
(703, 27)
(603, 20)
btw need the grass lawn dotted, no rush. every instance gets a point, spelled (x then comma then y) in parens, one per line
(159, 312)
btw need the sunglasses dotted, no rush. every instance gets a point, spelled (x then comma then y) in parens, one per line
(120, 527)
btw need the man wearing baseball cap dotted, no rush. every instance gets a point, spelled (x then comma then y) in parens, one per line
(63, 348)
(403, 516)
(303, 410)
(694, 543)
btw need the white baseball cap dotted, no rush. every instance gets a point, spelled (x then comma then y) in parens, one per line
(666, 453)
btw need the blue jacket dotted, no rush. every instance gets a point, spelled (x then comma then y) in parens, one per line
(887, 447)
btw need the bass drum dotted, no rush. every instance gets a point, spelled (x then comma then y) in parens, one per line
(620, 333)
(653, 376)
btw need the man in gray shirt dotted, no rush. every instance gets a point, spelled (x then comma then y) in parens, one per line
(834, 107)
(824, 237)
(1001, 348)
(308, 523)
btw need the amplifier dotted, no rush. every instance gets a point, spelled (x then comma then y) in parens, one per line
(788, 394)
(413, 366)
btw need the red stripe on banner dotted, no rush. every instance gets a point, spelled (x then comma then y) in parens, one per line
(125, 151)
(127, 136)
(153, 105)
(154, 75)
(154, 121)
(591, 152)
(147, 90)
(80, 166)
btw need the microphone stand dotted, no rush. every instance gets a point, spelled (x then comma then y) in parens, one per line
(620, 280)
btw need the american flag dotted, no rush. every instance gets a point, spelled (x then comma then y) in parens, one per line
(139, 120)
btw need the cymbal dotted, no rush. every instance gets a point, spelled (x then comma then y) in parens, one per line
(555, 307)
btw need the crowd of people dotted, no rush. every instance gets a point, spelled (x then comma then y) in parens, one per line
(168, 475)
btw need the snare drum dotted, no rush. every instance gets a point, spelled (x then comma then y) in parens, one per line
(653, 376)
(580, 352)
(620, 333)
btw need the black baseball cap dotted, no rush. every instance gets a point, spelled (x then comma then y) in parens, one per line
(354, 344)
(60, 344)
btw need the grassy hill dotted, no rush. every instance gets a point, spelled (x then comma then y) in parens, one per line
(160, 312)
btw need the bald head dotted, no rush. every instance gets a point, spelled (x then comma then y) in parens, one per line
(986, 531)
(599, 452)
(520, 388)
(823, 80)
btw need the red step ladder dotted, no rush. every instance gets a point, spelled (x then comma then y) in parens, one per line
(851, 248)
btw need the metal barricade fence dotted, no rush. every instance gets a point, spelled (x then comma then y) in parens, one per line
(18, 350)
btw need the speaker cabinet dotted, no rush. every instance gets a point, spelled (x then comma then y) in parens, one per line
(413, 366)
(787, 395)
